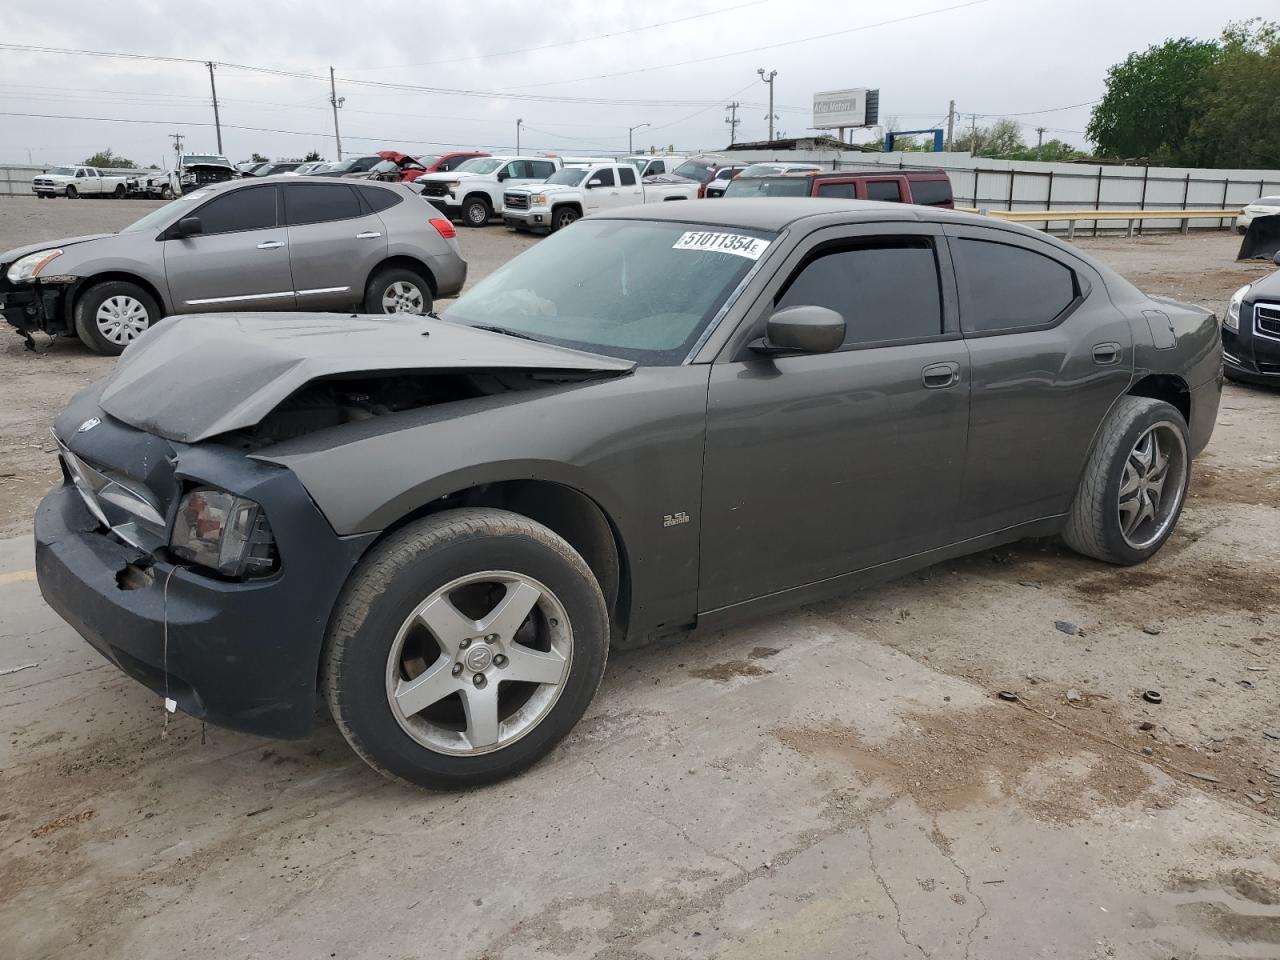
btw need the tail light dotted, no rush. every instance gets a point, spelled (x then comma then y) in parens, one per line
(444, 228)
(702, 191)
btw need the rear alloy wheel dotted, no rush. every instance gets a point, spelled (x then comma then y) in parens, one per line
(72, 193)
(563, 217)
(110, 316)
(398, 290)
(1134, 486)
(465, 646)
(476, 212)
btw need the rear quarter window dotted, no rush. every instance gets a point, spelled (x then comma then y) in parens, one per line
(1007, 289)
(931, 192)
(379, 200)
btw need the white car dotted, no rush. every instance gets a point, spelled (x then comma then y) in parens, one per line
(652, 166)
(472, 191)
(1262, 207)
(571, 194)
(717, 187)
(79, 181)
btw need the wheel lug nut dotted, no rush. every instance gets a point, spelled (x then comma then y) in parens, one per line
(554, 622)
(457, 669)
(491, 638)
(464, 644)
(478, 680)
(500, 661)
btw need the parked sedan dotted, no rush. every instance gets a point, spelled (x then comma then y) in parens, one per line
(1251, 332)
(278, 244)
(1262, 207)
(663, 417)
(353, 165)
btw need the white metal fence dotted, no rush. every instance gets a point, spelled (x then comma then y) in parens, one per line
(1027, 185)
(15, 179)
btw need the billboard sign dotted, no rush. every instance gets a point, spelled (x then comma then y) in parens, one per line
(833, 109)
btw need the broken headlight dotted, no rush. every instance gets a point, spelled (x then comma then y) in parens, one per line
(1233, 308)
(223, 532)
(29, 267)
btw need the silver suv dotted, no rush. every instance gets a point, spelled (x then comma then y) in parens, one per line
(273, 244)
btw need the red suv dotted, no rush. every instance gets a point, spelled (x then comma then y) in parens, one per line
(928, 187)
(402, 168)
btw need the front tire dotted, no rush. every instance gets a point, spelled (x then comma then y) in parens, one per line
(72, 193)
(1134, 485)
(110, 316)
(476, 212)
(166, 192)
(397, 290)
(464, 647)
(563, 217)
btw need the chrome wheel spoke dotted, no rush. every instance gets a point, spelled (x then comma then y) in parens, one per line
(414, 696)
(534, 665)
(1157, 463)
(447, 624)
(512, 611)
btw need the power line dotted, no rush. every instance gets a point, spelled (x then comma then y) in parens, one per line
(568, 43)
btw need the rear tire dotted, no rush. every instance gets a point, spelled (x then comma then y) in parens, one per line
(398, 290)
(421, 705)
(1134, 485)
(110, 316)
(119, 191)
(476, 212)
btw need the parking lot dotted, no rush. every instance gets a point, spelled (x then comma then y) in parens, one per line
(841, 780)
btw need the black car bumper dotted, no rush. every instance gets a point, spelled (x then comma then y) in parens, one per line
(1250, 357)
(242, 654)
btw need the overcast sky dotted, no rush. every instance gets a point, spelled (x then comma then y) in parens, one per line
(992, 56)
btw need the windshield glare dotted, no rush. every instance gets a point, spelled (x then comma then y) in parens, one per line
(768, 187)
(201, 158)
(694, 169)
(636, 289)
(478, 165)
(568, 176)
(170, 213)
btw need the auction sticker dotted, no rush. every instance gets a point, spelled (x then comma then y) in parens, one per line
(738, 244)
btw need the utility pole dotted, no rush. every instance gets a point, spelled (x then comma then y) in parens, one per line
(732, 120)
(337, 101)
(519, 124)
(973, 135)
(177, 148)
(630, 130)
(1039, 140)
(951, 124)
(768, 78)
(213, 87)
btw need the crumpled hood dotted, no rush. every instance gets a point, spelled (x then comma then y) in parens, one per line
(9, 256)
(222, 372)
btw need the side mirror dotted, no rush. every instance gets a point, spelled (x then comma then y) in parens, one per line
(502, 175)
(594, 182)
(803, 329)
(188, 227)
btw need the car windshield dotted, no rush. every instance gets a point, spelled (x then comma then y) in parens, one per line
(202, 158)
(643, 290)
(430, 160)
(71, 172)
(637, 162)
(170, 212)
(768, 187)
(694, 169)
(386, 166)
(569, 176)
(478, 165)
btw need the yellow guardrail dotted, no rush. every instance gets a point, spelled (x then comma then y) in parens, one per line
(1072, 217)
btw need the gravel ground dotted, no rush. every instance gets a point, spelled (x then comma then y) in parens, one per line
(835, 781)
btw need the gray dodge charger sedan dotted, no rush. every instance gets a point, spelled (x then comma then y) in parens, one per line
(270, 244)
(671, 416)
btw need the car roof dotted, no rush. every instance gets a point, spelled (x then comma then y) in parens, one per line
(281, 178)
(914, 172)
(777, 213)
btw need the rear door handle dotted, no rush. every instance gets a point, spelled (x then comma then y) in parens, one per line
(368, 235)
(938, 375)
(1106, 353)
(271, 245)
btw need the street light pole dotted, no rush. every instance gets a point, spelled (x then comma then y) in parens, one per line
(630, 130)
(336, 101)
(768, 78)
(519, 124)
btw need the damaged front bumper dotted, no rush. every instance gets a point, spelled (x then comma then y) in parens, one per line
(41, 306)
(241, 653)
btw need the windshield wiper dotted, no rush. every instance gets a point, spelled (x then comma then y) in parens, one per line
(505, 331)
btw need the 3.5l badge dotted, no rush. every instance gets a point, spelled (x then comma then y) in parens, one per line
(675, 519)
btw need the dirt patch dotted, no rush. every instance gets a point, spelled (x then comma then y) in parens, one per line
(1252, 587)
(1218, 485)
(61, 823)
(953, 761)
(729, 670)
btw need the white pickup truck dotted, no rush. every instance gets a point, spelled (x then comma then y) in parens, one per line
(652, 165)
(575, 192)
(79, 181)
(472, 191)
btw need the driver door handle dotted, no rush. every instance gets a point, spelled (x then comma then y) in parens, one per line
(271, 245)
(368, 235)
(938, 375)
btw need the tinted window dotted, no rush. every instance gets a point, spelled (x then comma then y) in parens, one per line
(727, 173)
(1007, 288)
(251, 209)
(542, 168)
(627, 175)
(885, 289)
(841, 191)
(694, 169)
(604, 176)
(931, 192)
(658, 166)
(884, 190)
(316, 203)
(516, 169)
(379, 199)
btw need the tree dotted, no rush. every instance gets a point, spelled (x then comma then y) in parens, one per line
(107, 158)
(1152, 100)
(257, 158)
(1051, 151)
(1002, 139)
(312, 157)
(1238, 113)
